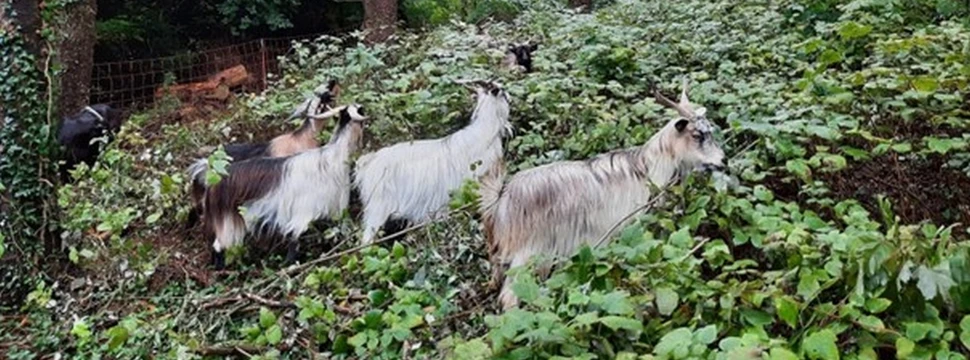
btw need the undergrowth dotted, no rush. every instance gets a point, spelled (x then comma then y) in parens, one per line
(776, 262)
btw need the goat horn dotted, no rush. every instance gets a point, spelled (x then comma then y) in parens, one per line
(663, 100)
(330, 113)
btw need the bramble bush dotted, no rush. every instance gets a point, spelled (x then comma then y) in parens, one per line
(777, 263)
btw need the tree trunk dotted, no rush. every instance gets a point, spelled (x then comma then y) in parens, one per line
(380, 19)
(584, 5)
(28, 19)
(75, 54)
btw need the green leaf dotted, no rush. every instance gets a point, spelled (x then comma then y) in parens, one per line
(756, 317)
(781, 354)
(617, 303)
(852, 30)
(525, 288)
(266, 318)
(675, 344)
(917, 331)
(787, 310)
(117, 336)
(619, 322)
(799, 167)
(877, 305)
(926, 84)
(872, 323)
(667, 301)
(808, 286)
(904, 347)
(830, 56)
(274, 335)
(706, 335)
(821, 345)
(475, 349)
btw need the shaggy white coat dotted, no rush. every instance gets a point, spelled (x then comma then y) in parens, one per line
(556, 208)
(412, 180)
(315, 184)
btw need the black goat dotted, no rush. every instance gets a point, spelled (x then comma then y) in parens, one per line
(77, 133)
(520, 56)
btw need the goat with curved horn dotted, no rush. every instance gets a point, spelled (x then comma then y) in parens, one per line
(556, 208)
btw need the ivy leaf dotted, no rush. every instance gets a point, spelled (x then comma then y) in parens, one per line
(821, 345)
(799, 167)
(619, 322)
(926, 84)
(274, 335)
(617, 303)
(904, 347)
(706, 335)
(117, 336)
(933, 282)
(829, 57)
(808, 286)
(781, 354)
(877, 305)
(872, 323)
(787, 310)
(266, 318)
(525, 288)
(965, 331)
(852, 30)
(675, 344)
(667, 300)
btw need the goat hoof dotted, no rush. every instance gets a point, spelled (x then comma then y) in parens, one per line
(219, 260)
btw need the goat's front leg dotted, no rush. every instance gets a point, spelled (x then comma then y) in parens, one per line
(292, 250)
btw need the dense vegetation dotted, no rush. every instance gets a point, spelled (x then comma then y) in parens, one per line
(840, 233)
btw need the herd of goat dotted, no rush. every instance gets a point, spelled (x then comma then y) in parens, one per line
(287, 183)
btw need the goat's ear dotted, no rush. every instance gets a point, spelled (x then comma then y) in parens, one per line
(495, 91)
(533, 47)
(511, 48)
(700, 111)
(681, 124)
(334, 88)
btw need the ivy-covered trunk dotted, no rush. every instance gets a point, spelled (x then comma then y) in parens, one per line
(27, 153)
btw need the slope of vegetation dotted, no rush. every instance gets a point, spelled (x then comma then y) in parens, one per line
(841, 233)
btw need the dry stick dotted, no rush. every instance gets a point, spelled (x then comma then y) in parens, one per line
(268, 302)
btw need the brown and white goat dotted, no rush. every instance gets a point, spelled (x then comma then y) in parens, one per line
(284, 194)
(301, 139)
(556, 208)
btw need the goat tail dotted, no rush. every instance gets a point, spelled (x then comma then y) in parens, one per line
(489, 192)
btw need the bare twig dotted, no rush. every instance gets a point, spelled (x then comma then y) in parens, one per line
(219, 302)
(226, 350)
(268, 302)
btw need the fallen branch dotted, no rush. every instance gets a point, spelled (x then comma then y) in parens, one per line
(268, 302)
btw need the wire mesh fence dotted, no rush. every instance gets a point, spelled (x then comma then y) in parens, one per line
(138, 83)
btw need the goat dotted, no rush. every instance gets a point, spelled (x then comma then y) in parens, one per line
(301, 139)
(556, 208)
(284, 193)
(411, 181)
(77, 133)
(520, 57)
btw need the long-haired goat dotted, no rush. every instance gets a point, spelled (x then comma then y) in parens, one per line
(519, 57)
(301, 139)
(411, 181)
(555, 208)
(284, 193)
(77, 132)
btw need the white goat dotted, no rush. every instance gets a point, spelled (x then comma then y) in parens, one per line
(555, 208)
(411, 180)
(301, 139)
(285, 193)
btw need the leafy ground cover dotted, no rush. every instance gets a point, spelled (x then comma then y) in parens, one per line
(841, 235)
